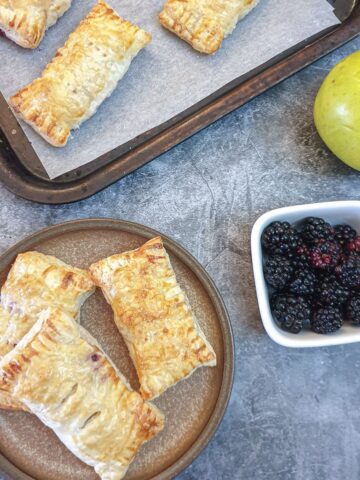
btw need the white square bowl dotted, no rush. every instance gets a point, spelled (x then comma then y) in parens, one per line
(334, 213)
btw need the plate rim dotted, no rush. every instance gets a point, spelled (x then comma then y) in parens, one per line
(208, 284)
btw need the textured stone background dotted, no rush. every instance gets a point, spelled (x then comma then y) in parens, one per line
(294, 414)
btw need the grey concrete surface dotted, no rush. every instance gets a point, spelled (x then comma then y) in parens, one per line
(293, 414)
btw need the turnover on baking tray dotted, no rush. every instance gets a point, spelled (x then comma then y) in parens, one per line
(25, 21)
(83, 73)
(204, 23)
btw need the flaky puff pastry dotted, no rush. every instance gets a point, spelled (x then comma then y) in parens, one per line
(153, 314)
(25, 21)
(81, 76)
(34, 283)
(60, 373)
(204, 23)
(6, 401)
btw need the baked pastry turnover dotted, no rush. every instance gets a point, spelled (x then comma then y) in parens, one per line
(153, 314)
(81, 76)
(34, 283)
(25, 21)
(59, 372)
(204, 23)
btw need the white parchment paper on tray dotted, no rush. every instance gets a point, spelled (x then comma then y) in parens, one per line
(166, 78)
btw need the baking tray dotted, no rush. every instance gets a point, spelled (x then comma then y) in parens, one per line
(190, 425)
(22, 172)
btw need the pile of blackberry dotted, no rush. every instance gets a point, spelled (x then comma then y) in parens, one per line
(313, 269)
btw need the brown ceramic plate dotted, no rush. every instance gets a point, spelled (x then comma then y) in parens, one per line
(193, 408)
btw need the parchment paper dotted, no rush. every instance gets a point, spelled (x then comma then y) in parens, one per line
(165, 78)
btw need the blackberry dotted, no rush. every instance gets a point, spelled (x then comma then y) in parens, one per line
(353, 246)
(330, 292)
(344, 234)
(325, 255)
(352, 310)
(303, 282)
(300, 257)
(278, 272)
(342, 257)
(280, 238)
(326, 320)
(348, 272)
(290, 311)
(315, 229)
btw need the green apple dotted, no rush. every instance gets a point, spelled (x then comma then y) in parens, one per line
(337, 110)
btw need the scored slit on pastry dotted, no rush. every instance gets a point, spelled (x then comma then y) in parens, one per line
(81, 76)
(34, 283)
(25, 21)
(154, 316)
(61, 374)
(204, 23)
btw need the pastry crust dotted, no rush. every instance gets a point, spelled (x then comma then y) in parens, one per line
(59, 372)
(34, 283)
(153, 314)
(204, 23)
(6, 401)
(25, 21)
(81, 76)
(56, 9)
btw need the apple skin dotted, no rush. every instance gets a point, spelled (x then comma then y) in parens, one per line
(337, 110)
